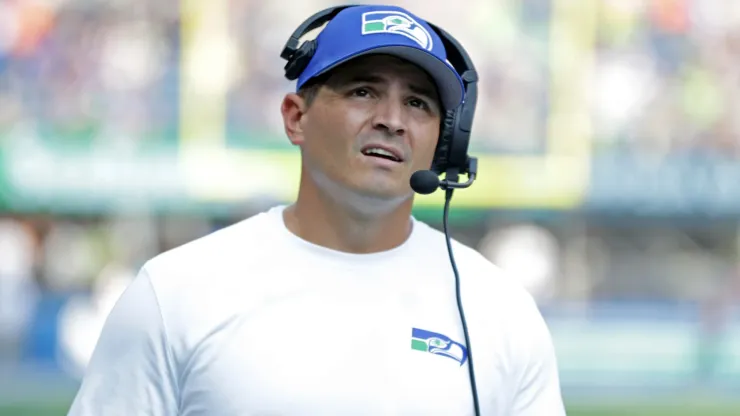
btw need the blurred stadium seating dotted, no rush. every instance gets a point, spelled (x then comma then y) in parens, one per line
(609, 136)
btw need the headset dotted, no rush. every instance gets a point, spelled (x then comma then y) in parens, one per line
(451, 154)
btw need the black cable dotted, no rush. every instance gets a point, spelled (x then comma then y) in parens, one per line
(471, 371)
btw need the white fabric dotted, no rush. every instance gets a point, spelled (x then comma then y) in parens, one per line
(252, 320)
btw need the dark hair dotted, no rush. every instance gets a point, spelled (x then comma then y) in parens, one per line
(310, 90)
(309, 93)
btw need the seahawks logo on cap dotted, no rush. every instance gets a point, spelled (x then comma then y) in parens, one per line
(396, 23)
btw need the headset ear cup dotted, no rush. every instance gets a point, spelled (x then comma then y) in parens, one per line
(292, 71)
(441, 154)
(300, 60)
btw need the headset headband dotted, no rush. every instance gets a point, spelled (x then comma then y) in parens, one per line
(313, 22)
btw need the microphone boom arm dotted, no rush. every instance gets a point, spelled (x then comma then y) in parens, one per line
(472, 173)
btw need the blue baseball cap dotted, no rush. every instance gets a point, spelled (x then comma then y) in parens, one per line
(363, 30)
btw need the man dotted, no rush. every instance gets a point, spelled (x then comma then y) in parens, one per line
(341, 303)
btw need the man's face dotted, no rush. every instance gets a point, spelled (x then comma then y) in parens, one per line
(371, 126)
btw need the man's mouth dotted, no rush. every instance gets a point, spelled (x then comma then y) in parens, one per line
(382, 153)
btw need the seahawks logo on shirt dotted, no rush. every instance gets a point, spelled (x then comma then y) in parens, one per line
(396, 23)
(434, 343)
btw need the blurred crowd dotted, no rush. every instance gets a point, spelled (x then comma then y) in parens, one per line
(88, 73)
(662, 74)
(665, 77)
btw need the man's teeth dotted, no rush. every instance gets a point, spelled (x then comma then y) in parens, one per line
(381, 152)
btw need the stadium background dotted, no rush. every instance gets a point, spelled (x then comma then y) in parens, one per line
(608, 133)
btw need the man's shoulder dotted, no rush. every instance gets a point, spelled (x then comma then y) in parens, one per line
(199, 283)
(466, 256)
(219, 249)
(489, 280)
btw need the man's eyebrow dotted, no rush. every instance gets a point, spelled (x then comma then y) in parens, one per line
(426, 91)
(364, 78)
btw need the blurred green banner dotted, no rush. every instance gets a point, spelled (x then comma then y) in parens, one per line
(42, 178)
(165, 179)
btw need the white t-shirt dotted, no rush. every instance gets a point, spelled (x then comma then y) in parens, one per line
(252, 320)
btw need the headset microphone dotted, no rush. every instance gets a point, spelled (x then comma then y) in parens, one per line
(425, 182)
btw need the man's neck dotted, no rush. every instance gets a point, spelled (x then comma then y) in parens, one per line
(336, 224)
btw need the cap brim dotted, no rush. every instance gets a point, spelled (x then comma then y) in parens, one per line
(449, 84)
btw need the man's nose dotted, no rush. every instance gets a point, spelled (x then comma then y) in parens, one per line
(390, 116)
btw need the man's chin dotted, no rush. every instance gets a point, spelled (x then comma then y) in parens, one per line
(370, 194)
(384, 189)
(379, 200)
(389, 195)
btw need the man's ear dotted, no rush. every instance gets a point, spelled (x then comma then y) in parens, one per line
(293, 109)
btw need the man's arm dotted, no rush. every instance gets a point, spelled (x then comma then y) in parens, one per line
(538, 391)
(131, 371)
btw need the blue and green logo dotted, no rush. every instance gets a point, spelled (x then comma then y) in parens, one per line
(396, 23)
(438, 344)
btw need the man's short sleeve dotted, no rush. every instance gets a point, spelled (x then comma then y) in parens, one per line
(538, 391)
(131, 371)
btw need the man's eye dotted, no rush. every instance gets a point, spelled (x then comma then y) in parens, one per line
(416, 102)
(360, 92)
